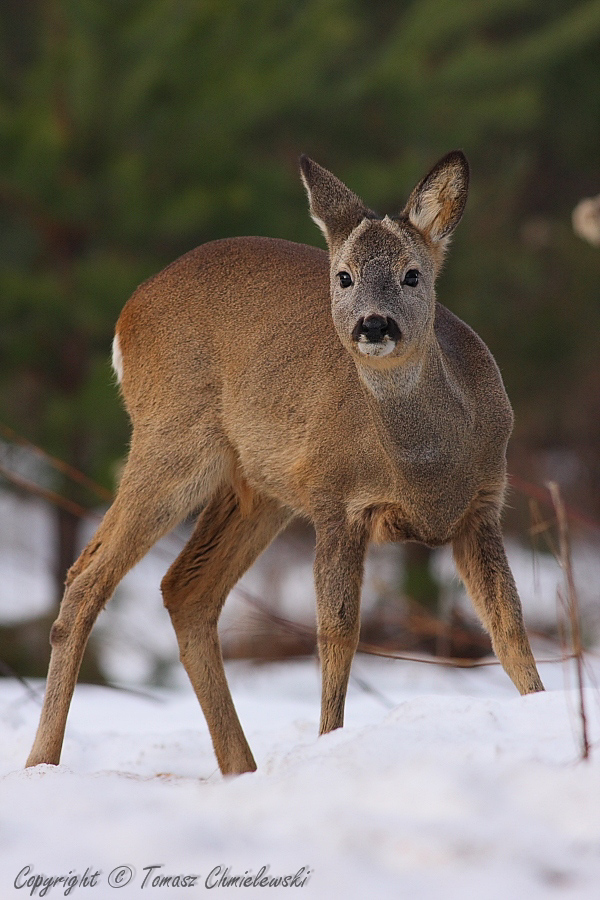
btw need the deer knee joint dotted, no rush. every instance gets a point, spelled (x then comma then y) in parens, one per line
(58, 633)
(180, 588)
(168, 588)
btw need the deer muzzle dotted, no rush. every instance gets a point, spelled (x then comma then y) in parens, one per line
(376, 335)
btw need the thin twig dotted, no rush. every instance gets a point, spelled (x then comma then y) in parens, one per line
(60, 465)
(373, 649)
(369, 688)
(539, 493)
(9, 672)
(51, 496)
(57, 500)
(573, 608)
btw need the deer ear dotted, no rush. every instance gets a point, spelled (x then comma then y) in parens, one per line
(437, 203)
(334, 208)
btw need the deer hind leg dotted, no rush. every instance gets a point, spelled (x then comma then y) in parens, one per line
(481, 561)
(339, 561)
(226, 541)
(154, 495)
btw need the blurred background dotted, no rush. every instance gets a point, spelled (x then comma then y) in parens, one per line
(131, 132)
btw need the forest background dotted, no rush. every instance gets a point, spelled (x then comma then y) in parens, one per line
(132, 131)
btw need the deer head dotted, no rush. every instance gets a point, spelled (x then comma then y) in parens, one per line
(383, 270)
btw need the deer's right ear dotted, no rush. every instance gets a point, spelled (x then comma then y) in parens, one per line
(333, 206)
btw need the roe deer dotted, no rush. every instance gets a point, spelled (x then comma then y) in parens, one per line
(267, 380)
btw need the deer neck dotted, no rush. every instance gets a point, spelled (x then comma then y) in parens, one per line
(418, 409)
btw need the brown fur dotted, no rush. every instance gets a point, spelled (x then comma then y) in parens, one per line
(250, 398)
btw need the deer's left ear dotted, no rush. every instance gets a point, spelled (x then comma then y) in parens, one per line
(437, 203)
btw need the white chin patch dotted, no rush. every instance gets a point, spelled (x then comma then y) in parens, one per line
(381, 348)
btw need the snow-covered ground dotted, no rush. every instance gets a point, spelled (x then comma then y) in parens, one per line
(444, 784)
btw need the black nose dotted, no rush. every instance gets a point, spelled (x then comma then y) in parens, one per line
(374, 328)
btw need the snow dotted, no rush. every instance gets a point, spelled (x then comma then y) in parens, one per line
(445, 783)
(26, 582)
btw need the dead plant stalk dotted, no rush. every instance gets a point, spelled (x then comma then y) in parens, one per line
(572, 607)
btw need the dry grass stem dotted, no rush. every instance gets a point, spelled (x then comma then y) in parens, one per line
(572, 608)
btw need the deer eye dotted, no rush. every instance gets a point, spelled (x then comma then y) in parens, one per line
(345, 279)
(411, 278)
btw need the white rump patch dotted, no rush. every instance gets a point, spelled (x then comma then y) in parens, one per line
(117, 359)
